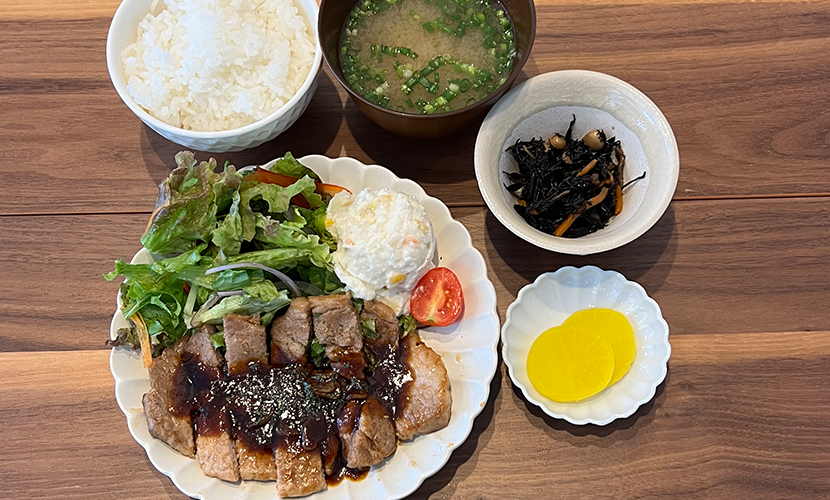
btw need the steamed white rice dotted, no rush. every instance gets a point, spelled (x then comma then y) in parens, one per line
(212, 65)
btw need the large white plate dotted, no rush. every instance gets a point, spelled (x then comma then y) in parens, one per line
(468, 349)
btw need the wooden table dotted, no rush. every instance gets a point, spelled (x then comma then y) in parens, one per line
(739, 262)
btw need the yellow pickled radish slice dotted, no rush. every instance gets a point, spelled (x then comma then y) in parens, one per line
(568, 363)
(617, 330)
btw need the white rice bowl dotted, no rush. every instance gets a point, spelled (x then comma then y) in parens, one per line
(215, 65)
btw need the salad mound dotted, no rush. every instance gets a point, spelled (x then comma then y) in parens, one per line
(231, 242)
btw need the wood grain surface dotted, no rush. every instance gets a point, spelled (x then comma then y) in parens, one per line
(694, 262)
(741, 85)
(738, 263)
(740, 415)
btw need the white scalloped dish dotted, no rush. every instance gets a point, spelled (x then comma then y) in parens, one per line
(548, 302)
(467, 347)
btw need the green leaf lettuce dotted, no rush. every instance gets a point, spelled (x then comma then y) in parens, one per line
(185, 213)
(259, 298)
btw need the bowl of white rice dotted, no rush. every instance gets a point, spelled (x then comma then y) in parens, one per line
(215, 75)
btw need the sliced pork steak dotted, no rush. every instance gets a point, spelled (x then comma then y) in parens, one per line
(245, 343)
(290, 333)
(214, 445)
(165, 419)
(337, 327)
(386, 327)
(366, 432)
(299, 472)
(425, 401)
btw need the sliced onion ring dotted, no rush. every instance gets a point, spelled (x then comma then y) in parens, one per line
(253, 265)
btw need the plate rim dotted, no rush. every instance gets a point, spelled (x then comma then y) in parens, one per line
(473, 410)
(511, 369)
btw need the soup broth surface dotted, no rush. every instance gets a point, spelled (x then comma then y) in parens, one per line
(427, 56)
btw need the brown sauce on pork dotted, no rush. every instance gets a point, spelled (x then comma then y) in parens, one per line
(388, 379)
(265, 405)
(342, 472)
(329, 413)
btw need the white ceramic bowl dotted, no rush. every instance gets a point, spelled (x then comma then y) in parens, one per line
(544, 105)
(548, 301)
(124, 30)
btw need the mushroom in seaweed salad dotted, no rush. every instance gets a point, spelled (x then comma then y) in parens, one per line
(569, 187)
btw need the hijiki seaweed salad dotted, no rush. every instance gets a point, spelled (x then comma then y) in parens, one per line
(427, 56)
(569, 187)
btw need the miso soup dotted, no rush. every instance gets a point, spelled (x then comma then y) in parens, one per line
(427, 56)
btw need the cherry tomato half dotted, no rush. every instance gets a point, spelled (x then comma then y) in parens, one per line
(437, 299)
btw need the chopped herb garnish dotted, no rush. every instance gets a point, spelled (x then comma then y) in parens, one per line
(368, 326)
(318, 354)
(407, 324)
(217, 340)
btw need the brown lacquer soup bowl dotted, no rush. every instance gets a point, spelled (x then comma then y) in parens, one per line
(331, 23)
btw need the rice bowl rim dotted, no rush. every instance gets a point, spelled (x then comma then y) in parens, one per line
(115, 66)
